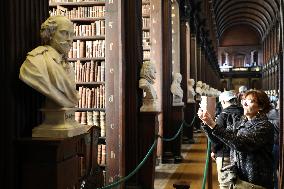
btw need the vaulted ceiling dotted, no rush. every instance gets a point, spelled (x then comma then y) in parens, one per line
(259, 14)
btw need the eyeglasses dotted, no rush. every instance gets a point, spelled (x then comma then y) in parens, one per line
(247, 102)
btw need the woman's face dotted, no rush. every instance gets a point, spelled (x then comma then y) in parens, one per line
(250, 106)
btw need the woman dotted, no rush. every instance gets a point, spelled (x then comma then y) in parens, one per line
(250, 140)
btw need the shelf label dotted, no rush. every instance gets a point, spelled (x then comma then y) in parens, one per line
(112, 155)
(110, 98)
(110, 46)
(110, 24)
(112, 126)
(110, 1)
(111, 70)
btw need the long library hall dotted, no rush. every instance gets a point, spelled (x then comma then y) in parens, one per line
(142, 94)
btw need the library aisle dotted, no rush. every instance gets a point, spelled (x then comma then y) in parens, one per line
(190, 171)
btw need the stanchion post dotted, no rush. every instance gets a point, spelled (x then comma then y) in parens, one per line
(209, 172)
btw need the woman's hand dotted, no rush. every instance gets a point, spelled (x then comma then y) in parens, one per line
(206, 118)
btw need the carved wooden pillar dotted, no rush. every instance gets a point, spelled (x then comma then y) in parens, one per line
(133, 59)
(20, 34)
(167, 74)
(185, 71)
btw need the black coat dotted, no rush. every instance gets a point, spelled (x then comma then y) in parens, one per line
(224, 119)
(251, 143)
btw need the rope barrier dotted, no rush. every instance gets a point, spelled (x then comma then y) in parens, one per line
(147, 156)
(135, 170)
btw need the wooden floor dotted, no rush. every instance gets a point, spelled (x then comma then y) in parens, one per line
(190, 171)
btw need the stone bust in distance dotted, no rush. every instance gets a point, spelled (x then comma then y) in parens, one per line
(177, 90)
(147, 79)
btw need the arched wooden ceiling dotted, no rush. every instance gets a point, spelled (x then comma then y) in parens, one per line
(259, 14)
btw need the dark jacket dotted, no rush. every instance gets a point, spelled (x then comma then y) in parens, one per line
(251, 143)
(224, 119)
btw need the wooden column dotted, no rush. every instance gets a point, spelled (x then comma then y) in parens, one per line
(21, 22)
(167, 74)
(148, 129)
(187, 136)
(132, 61)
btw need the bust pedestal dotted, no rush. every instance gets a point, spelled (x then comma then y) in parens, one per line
(172, 149)
(59, 123)
(149, 105)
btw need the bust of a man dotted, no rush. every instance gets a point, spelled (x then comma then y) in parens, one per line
(46, 69)
(191, 91)
(147, 79)
(176, 89)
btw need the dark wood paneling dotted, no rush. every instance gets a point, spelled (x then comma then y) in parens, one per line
(21, 23)
(167, 73)
(133, 95)
(115, 95)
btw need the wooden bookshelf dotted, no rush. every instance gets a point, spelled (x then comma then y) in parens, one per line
(146, 40)
(87, 57)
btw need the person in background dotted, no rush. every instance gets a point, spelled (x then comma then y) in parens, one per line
(220, 152)
(273, 117)
(250, 140)
(242, 90)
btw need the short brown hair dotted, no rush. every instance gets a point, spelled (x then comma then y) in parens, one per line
(261, 99)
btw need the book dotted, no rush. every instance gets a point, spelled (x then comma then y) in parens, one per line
(208, 103)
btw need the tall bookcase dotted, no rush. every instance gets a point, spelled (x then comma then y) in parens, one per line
(87, 57)
(146, 10)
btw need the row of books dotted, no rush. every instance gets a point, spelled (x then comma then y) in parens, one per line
(69, 1)
(146, 9)
(146, 34)
(102, 154)
(146, 43)
(92, 118)
(95, 28)
(146, 22)
(79, 12)
(92, 97)
(93, 71)
(146, 54)
(87, 49)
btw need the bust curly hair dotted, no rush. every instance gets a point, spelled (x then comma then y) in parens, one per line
(148, 71)
(48, 28)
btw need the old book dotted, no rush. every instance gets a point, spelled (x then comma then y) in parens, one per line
(208, 103)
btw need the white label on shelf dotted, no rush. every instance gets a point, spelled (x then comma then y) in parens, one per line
(112, 126)
(110, 46)
(110, 99)
(111, 70)
(110, 1)
(112, 155)
(110, 24)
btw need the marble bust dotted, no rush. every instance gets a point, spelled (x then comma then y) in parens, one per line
(47, 71)
(190, 91)
(177, 90)
(199, 90)
(147, 79)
